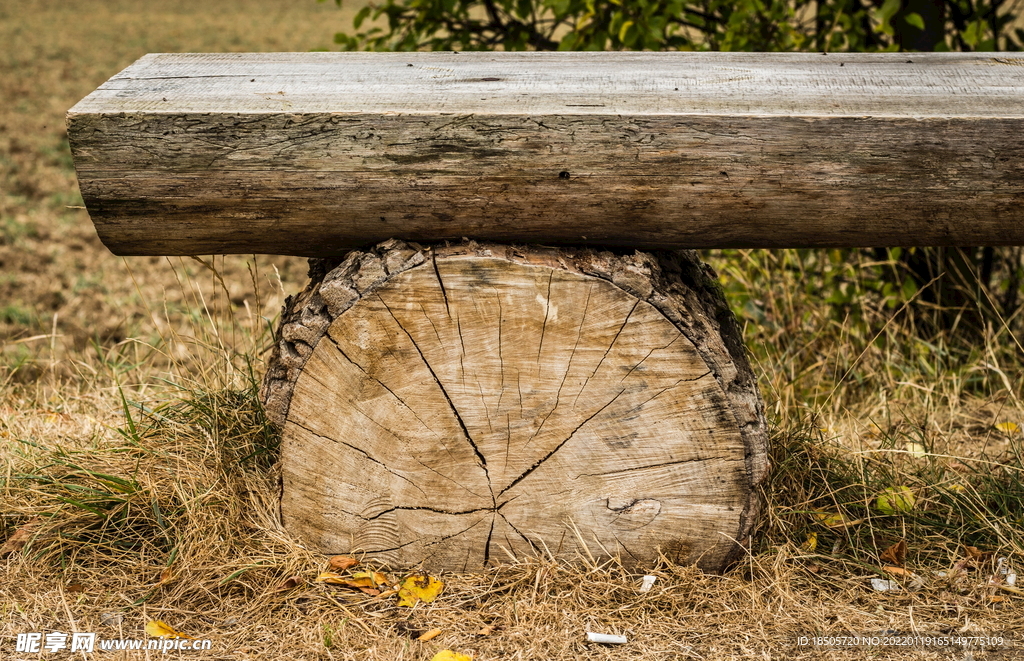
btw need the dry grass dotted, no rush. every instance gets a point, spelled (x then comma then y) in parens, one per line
(134, 452)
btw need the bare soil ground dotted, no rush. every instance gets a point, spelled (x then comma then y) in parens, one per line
(137, 472)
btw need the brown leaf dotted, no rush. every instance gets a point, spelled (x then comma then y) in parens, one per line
(76, 587)
(364, 584)
(898, 571)
(488, 630)
(430, 635)
(895, 554)
(289, 583)
(341, 562)
(165, 576)
(21, 536)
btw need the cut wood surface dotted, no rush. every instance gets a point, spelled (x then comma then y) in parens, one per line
(317, 153)
(465, 405)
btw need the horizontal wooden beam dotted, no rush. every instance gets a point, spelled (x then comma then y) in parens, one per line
(317, 153)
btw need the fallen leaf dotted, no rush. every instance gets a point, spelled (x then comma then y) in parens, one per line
(488, 630)
(977, 556)
(895, 499)
(21, 536)
(895, 554)
(448, 655)
(289, 583)
(364, 584)
(160, 629)
(375, 577)
(418, 588)
(332, 578)
(1008, 427)
(430, 635)
(835, 520)
(165, 576)
(810, 543)
(341, 562)
(898, 571)
(76, 587)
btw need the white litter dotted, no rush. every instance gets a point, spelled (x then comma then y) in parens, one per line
(608, 638)
(883, 585)
(648, 583)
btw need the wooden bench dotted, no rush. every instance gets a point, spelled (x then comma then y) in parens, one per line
(459, 404)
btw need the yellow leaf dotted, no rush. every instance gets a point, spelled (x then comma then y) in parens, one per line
(811, 543)
(418, 588)
(332, 578)
(374, 577)
(835, 520)
(430, 635)
(160, 629)
(1008, 427)
(895, 499)
(448, 655)
(956, 488)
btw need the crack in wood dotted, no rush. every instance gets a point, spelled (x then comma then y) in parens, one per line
(423, 508)
(378, 381)
(649, 354)
(487, 544)
(516, 530)
(364, 453)
(648, 466)
(544, 327)
(458, 417)
(388, 431)
(625, 321)
(444, 292)
(559, 446)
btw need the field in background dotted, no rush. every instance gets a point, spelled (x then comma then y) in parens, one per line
(137, 467)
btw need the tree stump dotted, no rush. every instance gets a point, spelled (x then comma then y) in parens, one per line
(462, 405)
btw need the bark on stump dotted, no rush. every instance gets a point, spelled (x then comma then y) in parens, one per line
(455, 406)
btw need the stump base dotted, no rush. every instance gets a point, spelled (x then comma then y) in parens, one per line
(458, 406)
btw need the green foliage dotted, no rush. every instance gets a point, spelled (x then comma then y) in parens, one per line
(747, 25)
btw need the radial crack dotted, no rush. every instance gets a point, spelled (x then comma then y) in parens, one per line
(648, 466)
(360, 451)
(379, 382)
(559, 446)
(529, 541)
(424, 509)
(544, 328)
(451, 404)
(440, 282)
(649, 353)
(558, 395)
(607, 351)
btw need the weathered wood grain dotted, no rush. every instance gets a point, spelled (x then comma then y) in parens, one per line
(455, 406)
(317, 153)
